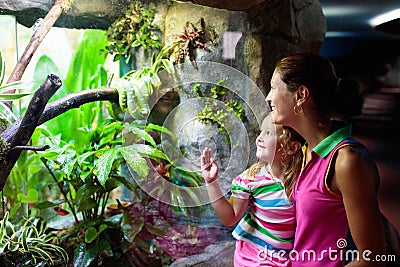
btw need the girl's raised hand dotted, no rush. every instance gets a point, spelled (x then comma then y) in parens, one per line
(209, 167)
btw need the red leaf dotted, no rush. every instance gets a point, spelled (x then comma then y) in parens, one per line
(60, 211)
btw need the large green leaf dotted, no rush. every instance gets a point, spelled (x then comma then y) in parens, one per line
(82, 75)
(85, 192)
(149, 151)
(142, 134)
(87, 205)
(48, 204)
(135, 160)
(90, 234)
(111, 184)
(88, 55)
(104, 165)
(67, 161)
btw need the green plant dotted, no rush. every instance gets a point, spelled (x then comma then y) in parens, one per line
(136, 86)
(34, 183)
(6, 115)
(86, 71)
(87, 176)
(190, 39)
(29, 244)
(211, 112)
(134, 29)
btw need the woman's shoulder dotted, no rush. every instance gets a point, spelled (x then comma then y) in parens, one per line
(353, 152)
(355, 162)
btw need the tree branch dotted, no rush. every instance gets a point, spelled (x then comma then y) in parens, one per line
(32, 148)
(64, 104)
(48, 22)
(76, 100)
(28, 124)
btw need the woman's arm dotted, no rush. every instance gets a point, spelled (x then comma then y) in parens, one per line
(228, 212)
(356, 178)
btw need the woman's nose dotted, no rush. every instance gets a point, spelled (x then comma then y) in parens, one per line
(268, 97)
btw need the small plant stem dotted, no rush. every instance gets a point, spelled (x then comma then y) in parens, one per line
(105, 203)
(61, 189)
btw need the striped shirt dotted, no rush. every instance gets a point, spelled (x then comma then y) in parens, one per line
(269, 223)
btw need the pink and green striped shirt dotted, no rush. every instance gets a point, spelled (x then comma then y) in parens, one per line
(269, 223)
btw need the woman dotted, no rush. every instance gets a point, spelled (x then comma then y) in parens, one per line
(336, 189)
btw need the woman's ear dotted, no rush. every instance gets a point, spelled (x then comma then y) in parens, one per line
(302, 94)
(293, 147)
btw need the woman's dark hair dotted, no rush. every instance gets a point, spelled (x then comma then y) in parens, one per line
(332, 96)
(349, 101)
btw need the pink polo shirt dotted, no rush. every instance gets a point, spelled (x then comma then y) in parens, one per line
(320, 214)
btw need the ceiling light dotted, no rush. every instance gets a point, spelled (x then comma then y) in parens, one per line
(348, 10)
(392, 15)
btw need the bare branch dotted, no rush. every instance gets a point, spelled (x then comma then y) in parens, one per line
(32, 148)
(36, 39)
(28, 125)
(48, 22)
(76, 100)
(64, 104)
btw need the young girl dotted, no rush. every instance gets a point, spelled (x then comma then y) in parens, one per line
(265, 233)
(336, 189)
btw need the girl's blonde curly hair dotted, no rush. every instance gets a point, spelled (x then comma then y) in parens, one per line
(291, 163)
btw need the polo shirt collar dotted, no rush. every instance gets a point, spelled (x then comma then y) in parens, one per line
(331, 141)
